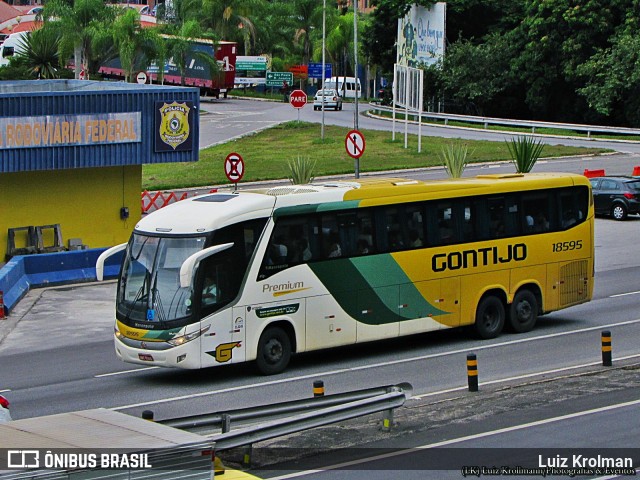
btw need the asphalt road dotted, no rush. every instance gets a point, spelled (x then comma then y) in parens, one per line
(234, 117)
(57, 356)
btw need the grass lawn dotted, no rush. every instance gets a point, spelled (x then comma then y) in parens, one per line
(266, 155)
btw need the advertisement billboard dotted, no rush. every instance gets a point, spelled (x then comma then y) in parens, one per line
(421, 35)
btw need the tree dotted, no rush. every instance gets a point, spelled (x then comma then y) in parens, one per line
(136, 45)
(555, 38)
(231, 20)
(41, 54)
(474, 76)
(79, 26)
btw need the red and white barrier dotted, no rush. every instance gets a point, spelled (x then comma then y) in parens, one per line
(152, 201)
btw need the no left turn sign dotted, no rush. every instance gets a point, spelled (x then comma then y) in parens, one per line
(354, 144)
(234, 167)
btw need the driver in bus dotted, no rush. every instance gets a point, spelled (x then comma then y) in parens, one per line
(209, 291)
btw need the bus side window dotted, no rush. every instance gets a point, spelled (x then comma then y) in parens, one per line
(512, 223)
(331, 242)
(365, 240)
(496, 217)
(445, 233)
(572, 207)
(415, 222)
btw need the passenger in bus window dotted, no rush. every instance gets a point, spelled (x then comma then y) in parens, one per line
(278, 254)
(541, 223)
(334, 246)
(415, 239)
(445, 231)
(569, 218)
(363, 247)
(301, 251)
(395, 242)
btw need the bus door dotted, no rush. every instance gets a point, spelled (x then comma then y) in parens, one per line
(327, 325)
(378, 309)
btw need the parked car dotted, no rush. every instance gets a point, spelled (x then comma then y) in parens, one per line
(5, 416)
(331, 100)
(616, 196)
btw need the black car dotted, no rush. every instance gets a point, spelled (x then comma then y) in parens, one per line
(616, 196)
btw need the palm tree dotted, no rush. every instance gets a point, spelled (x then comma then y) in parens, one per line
(40, 53)
(79, 26)
(307, 15)
(136, 45)
(232, 20)
(180, 47)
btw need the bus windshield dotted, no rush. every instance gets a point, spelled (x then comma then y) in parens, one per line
(149, 288)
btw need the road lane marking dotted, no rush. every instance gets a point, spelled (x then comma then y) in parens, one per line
(624, 294)
(444, 443)
(135, 370)
(380, 365)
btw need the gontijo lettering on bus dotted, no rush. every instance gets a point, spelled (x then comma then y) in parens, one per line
(478, 257)
(69, 130)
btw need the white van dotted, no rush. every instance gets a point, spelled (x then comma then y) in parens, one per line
(11, 46)
(346, 86)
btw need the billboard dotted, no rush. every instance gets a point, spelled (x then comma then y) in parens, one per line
(421, 35)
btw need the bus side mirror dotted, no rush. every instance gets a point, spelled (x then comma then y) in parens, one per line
(187, 267)
(103, 256)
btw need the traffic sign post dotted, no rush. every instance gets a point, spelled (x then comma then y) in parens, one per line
(354, 144)
(234, 168)
(298, 99)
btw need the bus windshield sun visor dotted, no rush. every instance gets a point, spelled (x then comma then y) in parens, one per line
(186, 270)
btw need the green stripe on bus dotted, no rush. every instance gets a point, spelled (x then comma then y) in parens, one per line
(368, 289)
(308, 209)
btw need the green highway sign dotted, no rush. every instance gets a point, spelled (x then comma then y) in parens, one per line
(251, 65)
(275, 79)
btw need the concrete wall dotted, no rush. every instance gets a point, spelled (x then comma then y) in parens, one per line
(85, 202)
(23, 273)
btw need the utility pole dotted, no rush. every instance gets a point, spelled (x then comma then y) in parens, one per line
(355, 74)
(324, 38)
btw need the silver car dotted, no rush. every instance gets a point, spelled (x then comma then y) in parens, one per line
(331, 100)
(5, 416)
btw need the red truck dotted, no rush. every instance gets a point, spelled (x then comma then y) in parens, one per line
(197, 73)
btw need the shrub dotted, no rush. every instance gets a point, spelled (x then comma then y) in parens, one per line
(525, 152)
(301, 170)
(454, 159)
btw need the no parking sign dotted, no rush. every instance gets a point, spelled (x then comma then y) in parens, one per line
(234, 167)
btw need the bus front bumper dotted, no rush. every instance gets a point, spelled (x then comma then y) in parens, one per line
(182, 356)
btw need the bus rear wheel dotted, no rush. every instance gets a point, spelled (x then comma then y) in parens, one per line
(490, 317)
(274, 351)
(523, 313)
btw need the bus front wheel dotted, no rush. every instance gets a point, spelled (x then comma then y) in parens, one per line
(490, 317)
(523, 313)
(274, 351)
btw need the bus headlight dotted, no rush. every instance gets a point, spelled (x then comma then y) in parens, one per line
(182, 339)
(117, 333)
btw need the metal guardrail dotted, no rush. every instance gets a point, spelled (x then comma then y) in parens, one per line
(486, 121)
(246, 436)
(264, 413)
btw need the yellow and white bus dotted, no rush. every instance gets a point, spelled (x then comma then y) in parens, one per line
(259, 275)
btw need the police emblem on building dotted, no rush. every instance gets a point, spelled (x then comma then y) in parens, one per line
(174, 124)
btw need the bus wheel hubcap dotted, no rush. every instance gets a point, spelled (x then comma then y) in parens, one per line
(273, 351)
